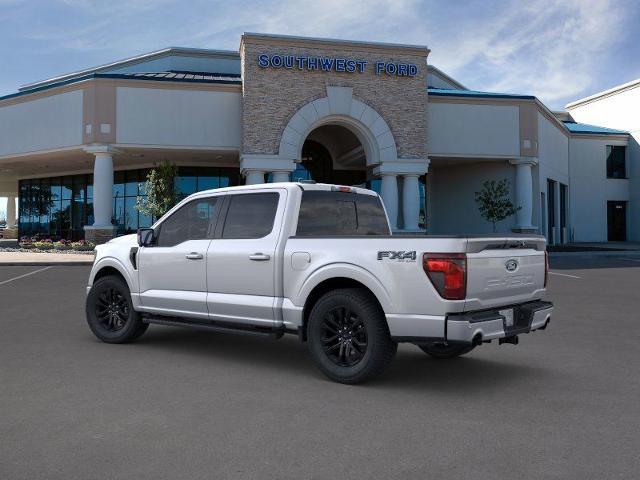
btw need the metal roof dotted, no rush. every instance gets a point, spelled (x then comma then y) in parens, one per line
(177, 75)
(135, 60)
(186, 77)
(585, 128)
(445, 92)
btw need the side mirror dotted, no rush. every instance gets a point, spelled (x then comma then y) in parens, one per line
(146, 237)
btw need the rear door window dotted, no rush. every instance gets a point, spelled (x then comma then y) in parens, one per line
(250, 215)
(341, 213)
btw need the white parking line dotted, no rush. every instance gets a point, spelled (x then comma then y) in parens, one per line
(564, 275)
(25, 275)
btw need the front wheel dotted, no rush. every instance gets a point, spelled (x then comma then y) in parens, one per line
(109, 311)
(348, 336)
(444, 351)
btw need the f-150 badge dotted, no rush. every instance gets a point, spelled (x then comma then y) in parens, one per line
(400, 255)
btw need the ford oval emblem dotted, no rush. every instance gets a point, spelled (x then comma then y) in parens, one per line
(511, 265)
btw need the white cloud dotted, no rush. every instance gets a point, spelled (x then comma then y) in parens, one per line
(545, 48)
(548, 48)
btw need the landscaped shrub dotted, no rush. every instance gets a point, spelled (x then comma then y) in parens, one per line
(83, 245)
(62, 245)
(44, 244)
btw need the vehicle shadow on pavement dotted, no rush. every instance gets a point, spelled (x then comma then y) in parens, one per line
(409, 369)
(465, 374)
(258, 352)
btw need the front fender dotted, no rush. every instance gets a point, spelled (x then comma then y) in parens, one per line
(113, 262)
(345, 270)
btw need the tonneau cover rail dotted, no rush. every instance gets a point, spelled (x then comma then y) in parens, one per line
(479, 244)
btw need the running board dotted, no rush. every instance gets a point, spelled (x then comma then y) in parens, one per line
(214, 327)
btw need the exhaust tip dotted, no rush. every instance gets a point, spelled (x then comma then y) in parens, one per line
(546, 323)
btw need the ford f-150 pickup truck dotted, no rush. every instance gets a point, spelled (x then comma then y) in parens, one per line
(318, 261)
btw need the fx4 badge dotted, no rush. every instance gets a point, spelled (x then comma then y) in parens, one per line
(401, 255)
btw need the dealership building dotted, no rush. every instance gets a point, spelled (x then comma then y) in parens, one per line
(75, 150)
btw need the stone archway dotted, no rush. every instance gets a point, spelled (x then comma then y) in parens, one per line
(340, 108)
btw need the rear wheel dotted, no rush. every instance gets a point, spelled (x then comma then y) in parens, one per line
(348, 336)
(443, 351)
(109, 311)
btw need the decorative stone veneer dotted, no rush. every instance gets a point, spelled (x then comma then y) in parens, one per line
(271, 96)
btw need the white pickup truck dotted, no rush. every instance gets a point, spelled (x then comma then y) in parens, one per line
(318, 261)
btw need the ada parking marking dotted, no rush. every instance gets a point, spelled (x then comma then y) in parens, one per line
(25, 275)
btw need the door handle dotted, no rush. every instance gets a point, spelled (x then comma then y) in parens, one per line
(259, 257)
(194, 256)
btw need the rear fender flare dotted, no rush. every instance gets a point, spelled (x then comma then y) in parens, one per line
(345, 270)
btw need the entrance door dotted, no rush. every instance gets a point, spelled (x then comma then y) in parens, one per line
(617, 221)
(242, 259)
(551, 211)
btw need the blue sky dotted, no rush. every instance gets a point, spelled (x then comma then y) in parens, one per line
(556, 50)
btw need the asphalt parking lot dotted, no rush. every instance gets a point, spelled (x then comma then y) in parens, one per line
(178, 404)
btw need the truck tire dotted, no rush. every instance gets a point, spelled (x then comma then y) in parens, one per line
(348, 336)
(110, 313)
(442, 351)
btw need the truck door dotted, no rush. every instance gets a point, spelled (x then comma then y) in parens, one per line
(241, 260)
(173, 272)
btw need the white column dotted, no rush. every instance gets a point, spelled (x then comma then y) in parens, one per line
(524, 193)
(103, 190)
(254, 177)
(11, 212)
(280, 176)
(389, 192)
(411, 202)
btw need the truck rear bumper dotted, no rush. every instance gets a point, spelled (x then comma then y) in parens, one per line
(476, 327)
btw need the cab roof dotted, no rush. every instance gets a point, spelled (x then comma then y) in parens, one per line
(305, 186)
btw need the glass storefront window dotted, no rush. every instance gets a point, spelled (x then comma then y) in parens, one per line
(60, 207)
(186, 185)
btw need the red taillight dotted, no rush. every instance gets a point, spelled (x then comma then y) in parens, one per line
(448, 273)
(546, 268)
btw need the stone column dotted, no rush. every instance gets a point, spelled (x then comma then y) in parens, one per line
(254, 177)
(524, 193)
(11, 212)
(280, 176)
(411, 202)
(102, 229)
(389, 193)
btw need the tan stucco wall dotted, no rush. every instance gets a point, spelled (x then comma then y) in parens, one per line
(271, 96)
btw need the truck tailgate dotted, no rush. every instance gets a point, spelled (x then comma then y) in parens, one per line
(504, 270)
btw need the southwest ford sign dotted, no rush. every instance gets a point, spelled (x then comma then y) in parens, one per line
(333, 64)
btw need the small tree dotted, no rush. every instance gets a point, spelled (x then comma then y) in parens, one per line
(160, 190)
(494, 201)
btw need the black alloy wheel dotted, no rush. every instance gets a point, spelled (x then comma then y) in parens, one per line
(112, 309)
(110, 313)
(348, 336)
(344, 337)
